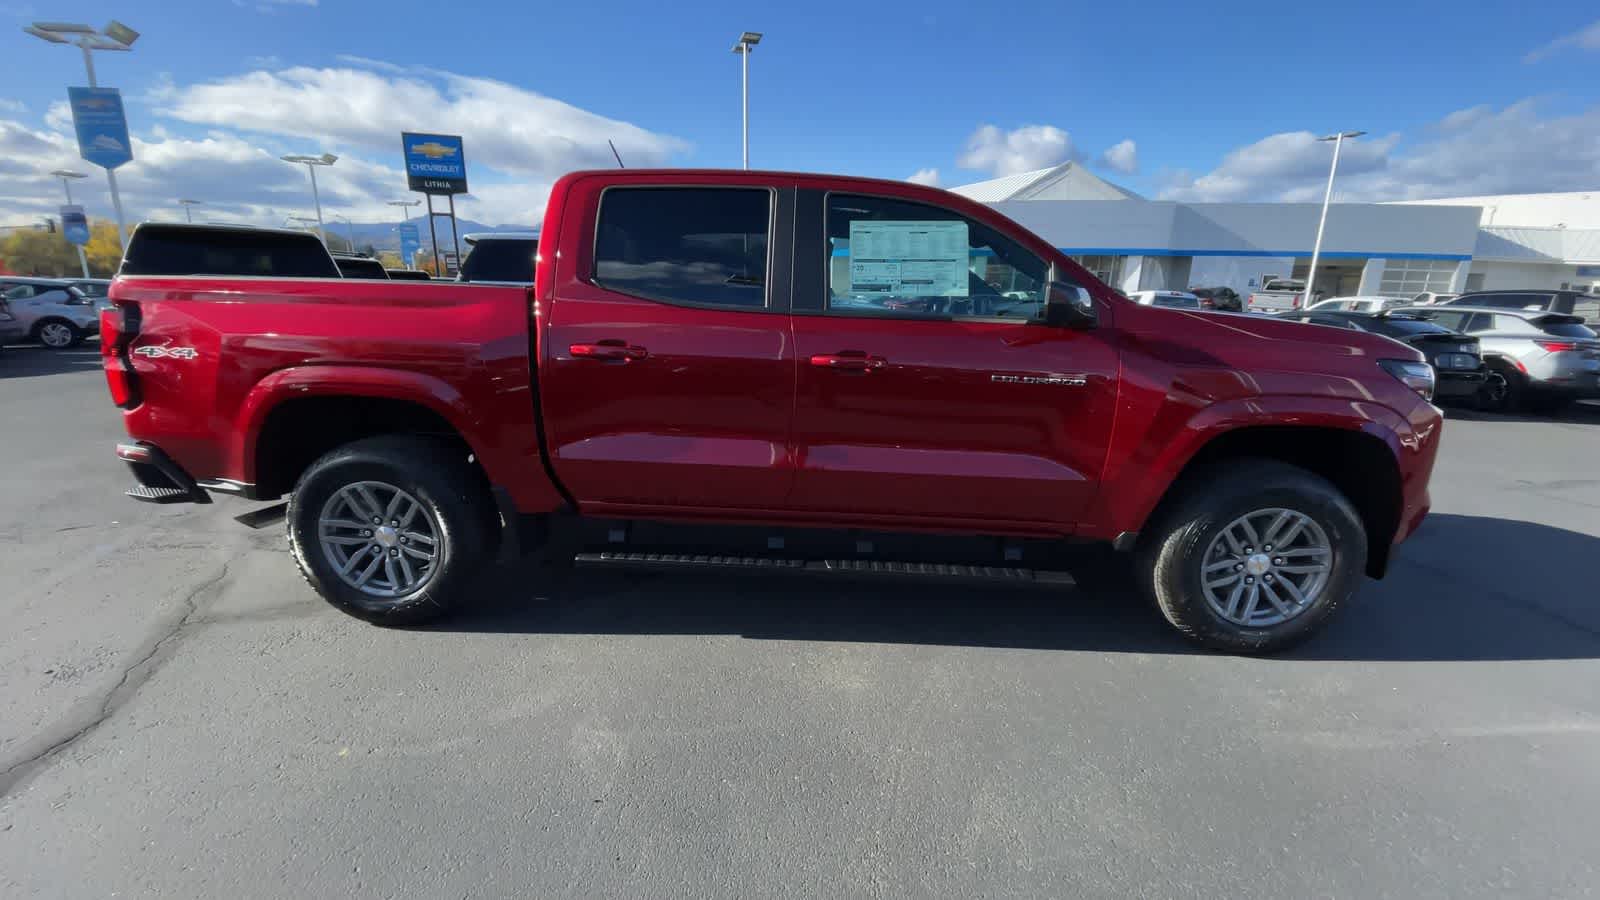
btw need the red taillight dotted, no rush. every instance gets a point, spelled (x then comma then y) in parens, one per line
(1558, 346)
(1296, 301)
(118, 326)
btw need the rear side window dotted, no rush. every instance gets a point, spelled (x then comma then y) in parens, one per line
(501, 259)
(696, 246)
(1569, 330)
(194, 251)
(1455, 321)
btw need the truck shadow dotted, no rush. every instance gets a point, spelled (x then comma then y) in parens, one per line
(1460, 590)
(1582, 413)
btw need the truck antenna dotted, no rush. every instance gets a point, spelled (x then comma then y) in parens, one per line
(615, 153)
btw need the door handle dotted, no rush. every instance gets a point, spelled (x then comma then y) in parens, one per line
(608, 349)
(849, 361)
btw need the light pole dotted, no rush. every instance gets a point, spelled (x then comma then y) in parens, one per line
(311, 163)
(188, 213)
(747, 43)
(116, 37)
(350, 229)
(1316, 248)
(67, 177)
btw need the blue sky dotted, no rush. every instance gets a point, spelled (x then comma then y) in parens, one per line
(1217, 100)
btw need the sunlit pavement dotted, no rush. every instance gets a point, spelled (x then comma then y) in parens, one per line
(180, 716)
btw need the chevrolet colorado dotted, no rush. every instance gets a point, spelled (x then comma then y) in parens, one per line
(778, 372)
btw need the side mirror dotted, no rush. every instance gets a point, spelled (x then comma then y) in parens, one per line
(1070, 306)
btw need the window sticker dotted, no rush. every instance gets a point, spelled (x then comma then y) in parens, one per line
(908, 259)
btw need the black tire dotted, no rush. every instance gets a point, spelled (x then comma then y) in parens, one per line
(39, 335)
(1174, 554)
(447, 488)
(1503, 391)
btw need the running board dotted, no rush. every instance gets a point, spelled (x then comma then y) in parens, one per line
(851, 568)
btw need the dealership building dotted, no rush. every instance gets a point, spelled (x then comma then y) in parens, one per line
(1403, 248)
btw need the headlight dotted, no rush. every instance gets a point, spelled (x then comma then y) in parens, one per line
(1415, 375)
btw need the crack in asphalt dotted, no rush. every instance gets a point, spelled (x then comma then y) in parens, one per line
(134, 676)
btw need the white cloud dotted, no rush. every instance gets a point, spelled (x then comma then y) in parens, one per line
(1122, 156)
(928, 177)
(12, 106)
(507, 128)
(250, 120)
(1586, 38)
(367, 62)
(1020, 150)
(1475, 151)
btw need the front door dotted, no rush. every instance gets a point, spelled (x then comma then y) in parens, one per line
(669, 366)
(929, 389)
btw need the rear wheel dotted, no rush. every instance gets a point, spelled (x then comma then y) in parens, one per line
(391, 529)
(1256, 560)
(57, 334)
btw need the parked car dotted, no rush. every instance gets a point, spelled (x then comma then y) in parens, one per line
(1574, 303)
(1279, 295)
(1221, 299)
(1429, 298)
(1537, 360)
(688, 360)
(50, 311)
(500, 257)
(93, 288)
(11, 330)
(408, 275)
(1169, 299)
(1457, 359)
(360, 267)
(1370, 304)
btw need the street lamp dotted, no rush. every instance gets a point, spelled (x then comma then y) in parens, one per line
(747, 43)
(311, 163)
(114, 37)
(350, 228)
(188, 214)
(67, 177)
(1316, 249)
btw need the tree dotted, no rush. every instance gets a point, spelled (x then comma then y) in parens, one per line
(391, 260)
(105, 255)
(30, 251)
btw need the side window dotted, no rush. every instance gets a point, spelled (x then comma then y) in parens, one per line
(697, 246)
(20, 292)
(894, 257)
(1451, 320)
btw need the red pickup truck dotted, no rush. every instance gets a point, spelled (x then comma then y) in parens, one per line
(796, 373)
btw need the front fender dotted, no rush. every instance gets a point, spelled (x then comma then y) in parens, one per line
(1140, 472)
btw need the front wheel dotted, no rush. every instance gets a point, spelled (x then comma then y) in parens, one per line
(1257, 559)
(391, 529)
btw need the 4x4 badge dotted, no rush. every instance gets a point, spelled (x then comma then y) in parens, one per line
(165, 352)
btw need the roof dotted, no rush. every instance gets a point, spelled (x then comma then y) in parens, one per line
(1550, 245)
(1066, 181)
(1574, 209)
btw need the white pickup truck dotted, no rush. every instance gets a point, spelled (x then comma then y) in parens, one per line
(1277, 295)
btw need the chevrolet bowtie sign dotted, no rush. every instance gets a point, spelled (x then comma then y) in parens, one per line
(435, 163)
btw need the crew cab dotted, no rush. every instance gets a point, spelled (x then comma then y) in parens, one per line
(789, 373)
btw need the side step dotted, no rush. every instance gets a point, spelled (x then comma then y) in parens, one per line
(851, 568)
(160, 494)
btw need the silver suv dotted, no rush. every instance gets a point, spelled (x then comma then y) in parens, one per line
(1537, 360)
(50, 311)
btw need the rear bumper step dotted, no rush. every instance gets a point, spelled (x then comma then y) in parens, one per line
(850, 568)
(161, 479)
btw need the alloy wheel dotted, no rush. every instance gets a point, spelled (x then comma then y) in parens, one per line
(1266, 567)
(379, 539)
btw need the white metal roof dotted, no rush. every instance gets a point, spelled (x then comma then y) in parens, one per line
(1551, 245)
(1066, 181)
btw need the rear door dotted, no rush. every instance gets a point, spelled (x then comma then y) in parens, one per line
(928, 390)
(668, 366)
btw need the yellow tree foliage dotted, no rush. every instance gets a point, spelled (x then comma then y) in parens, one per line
(29, 251)
(105, 256)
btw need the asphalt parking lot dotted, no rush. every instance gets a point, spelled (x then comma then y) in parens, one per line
(180, 716)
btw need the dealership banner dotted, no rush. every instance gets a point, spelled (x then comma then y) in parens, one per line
(101, 125)
(435, 163)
